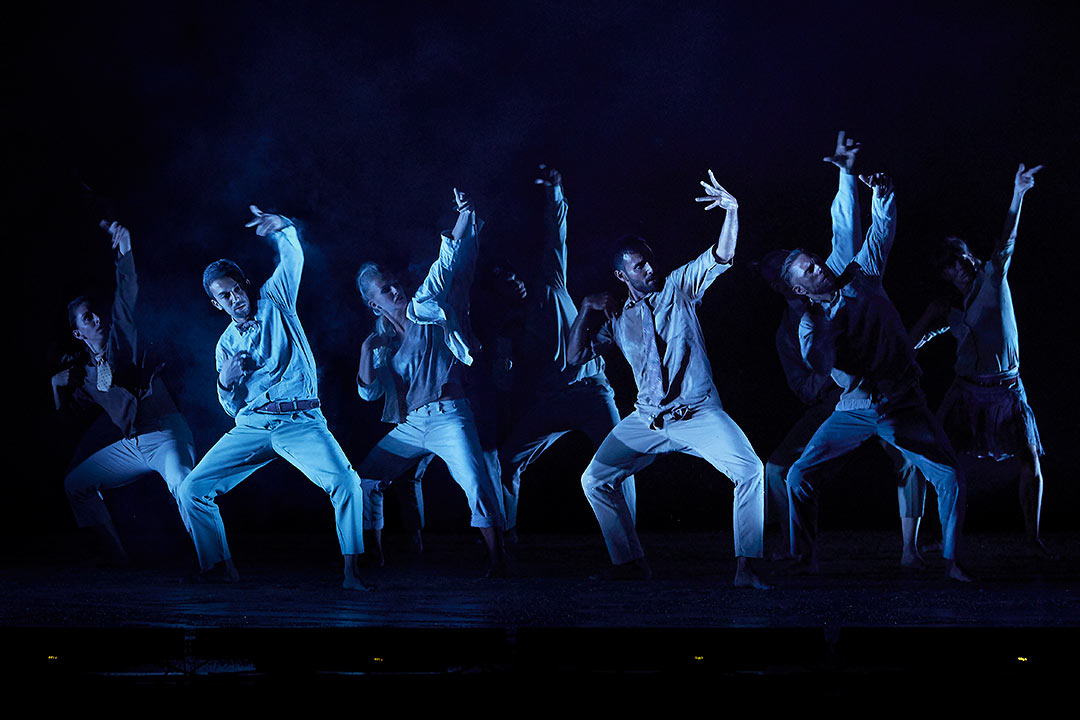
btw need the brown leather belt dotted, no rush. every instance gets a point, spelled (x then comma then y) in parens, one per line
(284, 407)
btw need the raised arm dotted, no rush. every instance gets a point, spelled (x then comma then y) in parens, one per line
(127, 283)
(443, 297)
(1024, 181)
(846, 224)
(553, 263)
(595, 311)
(874, 253)
(284, 284)
(717, 196)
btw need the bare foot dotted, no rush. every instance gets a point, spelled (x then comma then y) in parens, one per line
(912, 559)
(805, 565)
(229, 573)
(745, 577)
(498, 570)
(353, 582)
(222, 572)
(953, 572)
(1036, 547)
(634, 570)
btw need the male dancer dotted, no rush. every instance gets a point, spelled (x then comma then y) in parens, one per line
(677, 407)
(118, 377)
(985, 412)
(267, 380)
(818, 391)
(852, 331)
(554, 397)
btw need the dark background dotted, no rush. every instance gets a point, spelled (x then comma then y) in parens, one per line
(357, 120)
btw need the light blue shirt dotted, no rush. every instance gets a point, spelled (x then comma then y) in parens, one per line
(987, 340)
(441, 301)
(284, 364)
(678, 347)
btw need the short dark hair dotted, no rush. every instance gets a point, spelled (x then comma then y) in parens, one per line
(950, 248)
(789, 261)
(219, 269)
(74, 305)
(629, 244)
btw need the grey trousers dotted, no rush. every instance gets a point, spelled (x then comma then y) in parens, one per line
(588, 406)
(707, 432)
(910, 485)
(301, 438)
(913, 431)
(168, 451)
(447, 429)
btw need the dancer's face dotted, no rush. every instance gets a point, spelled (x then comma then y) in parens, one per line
(386, 296)
(961, 271)
(89, 327)
(638, 274)
(232, 297)
(811, 276)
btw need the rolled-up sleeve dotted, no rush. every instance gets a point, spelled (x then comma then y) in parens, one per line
(696, 276)
(228, 398)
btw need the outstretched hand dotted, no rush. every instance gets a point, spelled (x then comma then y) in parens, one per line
(843, 156)
(717, 195)
(121, 237)
(548, 176)
(1025, 179)
(462, 202)
(264, 223)
(880, 183)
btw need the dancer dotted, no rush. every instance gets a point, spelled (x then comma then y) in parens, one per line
(985, 413)
(552, 397)
(852, 331)
(416, 360)
(268, 381)
(818, 391)
(118, 377)
(677, 409)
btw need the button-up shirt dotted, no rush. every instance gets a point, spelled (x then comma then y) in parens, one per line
(661, 338)
(858, 336)
(284, 367)
(136, 398)
(412, 371)
(988, 343)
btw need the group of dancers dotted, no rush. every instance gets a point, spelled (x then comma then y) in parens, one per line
(443, 356)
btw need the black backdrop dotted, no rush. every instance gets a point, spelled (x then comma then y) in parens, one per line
(357, 119)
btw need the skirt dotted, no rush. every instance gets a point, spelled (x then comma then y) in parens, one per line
(989, 417)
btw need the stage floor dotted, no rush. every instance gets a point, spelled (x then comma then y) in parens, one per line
(436, 614)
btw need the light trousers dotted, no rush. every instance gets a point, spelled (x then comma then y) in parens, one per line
(913, 431)
(910, 485)
(169, 452)
(447, 429)
(301, 438)
(707, 432)
(588, 406)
